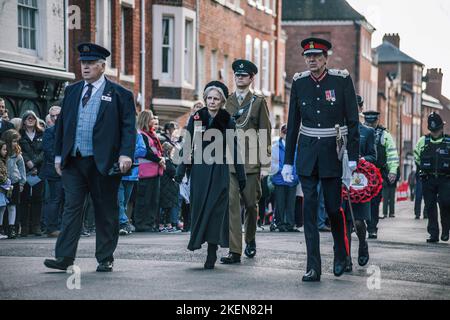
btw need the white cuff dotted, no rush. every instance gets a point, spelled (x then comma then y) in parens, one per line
(58, 159)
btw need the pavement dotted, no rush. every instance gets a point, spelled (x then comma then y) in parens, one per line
(158, 266)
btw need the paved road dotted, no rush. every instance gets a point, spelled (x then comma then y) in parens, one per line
(158, 266)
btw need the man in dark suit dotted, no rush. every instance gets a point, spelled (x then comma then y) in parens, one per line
(94, 133)
(322, 98)
(4, 125)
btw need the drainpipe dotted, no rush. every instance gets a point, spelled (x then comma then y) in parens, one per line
(197, 49)
(143, 54)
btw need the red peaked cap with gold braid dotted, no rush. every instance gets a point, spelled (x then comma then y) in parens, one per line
(315, 45)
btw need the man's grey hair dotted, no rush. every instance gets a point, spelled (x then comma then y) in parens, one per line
(54, 108)
(2, 100)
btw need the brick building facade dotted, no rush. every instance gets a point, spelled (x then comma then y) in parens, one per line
(116, 25)
(348, 31)
(195, 42)
(434, 89)
(400, 98)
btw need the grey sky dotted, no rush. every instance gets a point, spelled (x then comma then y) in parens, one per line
(423, 26)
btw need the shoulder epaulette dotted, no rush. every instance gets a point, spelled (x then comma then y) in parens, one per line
(339, 73)
(301, 75)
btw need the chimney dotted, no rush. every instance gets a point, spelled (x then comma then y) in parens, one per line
(434, 83)
(392, 38)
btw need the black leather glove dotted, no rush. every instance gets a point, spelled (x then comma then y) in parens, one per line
(242, 184)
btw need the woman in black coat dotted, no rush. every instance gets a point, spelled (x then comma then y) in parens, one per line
(210, 180)
(33, 155)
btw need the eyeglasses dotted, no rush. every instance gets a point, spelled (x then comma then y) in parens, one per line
(31, 119)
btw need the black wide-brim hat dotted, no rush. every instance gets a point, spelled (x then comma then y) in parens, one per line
(219, 85)
(92, 52)
(316, 45)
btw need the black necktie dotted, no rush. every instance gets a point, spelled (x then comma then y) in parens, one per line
(87, 95)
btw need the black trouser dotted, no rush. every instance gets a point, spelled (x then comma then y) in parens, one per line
(81, 177)
(372, 225)
(332, 195)
(55, 205)
(437, 189)
(147, 203)
(285, 206)
(30, 207)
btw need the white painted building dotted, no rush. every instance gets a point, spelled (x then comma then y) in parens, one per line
(33, 54)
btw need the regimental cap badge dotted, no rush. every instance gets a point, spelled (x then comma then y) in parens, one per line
(433, 124)
(241, 66)
(311, 45)
(85, 49)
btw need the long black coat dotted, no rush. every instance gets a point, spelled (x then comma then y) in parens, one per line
(32, 150)
(114, 131)
(210, 183)
(170, 189)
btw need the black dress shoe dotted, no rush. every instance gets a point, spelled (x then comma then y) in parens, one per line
(250, 250)
(363, 255)
(311, 276)
(231, 258)
(432, 240)
(339, 267)
(445, 236)
(106, 266)
(373, 235)
(59, 263)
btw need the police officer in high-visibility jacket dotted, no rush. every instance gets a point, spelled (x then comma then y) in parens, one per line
(432, 156)
(321, 98)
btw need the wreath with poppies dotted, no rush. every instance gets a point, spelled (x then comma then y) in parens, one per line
(373, 187)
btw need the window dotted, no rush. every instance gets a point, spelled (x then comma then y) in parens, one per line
(214, 73)
(257, 62)
(201, 67)
(103, 23)
(265, 67)
(167, 47)
(248, 47)
(27, 16)
(225, 69)
(188, 50)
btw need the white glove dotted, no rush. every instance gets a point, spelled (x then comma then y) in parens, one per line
(352, 165)
(287, 173)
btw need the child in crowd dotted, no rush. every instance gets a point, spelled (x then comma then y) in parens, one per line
(5, 188)
(16, 173)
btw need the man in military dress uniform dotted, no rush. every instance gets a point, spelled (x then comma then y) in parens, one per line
(432, 156)
(250, 112)
(322, 98)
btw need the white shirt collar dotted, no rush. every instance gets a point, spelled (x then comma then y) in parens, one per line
(242, 93)
(97, 84)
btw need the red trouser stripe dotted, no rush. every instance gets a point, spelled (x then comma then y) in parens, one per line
(347, 246)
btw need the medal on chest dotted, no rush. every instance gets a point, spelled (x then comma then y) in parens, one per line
(330, 95)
